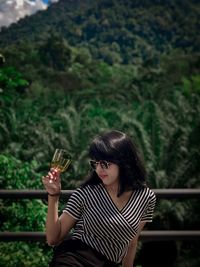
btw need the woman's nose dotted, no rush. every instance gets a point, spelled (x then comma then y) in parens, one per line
(99, 167)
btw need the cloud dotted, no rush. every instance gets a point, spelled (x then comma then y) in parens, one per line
(13, 10)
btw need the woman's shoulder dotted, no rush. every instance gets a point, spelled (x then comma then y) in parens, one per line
(147, 191)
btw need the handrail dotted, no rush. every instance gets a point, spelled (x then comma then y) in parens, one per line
(180, 193)
(42, 194)
(155, 235)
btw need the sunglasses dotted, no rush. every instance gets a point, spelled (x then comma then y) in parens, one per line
(103, 163)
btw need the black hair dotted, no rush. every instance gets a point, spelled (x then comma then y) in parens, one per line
(117, 147)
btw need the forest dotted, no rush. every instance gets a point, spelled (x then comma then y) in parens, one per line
(83, 67)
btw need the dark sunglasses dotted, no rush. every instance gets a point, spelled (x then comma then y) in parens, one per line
(103, 163)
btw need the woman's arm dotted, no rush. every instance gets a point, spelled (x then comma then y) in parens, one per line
(56, 227)
(130, 256)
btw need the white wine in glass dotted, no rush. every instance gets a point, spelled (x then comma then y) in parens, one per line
(61, 160)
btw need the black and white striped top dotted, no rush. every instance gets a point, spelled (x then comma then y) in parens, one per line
(101, 225)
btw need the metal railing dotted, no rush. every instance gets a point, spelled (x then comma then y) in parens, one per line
(145, 235)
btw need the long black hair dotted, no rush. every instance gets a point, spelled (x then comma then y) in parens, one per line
(117, 147)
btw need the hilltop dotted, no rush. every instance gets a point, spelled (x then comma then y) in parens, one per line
(117, 31)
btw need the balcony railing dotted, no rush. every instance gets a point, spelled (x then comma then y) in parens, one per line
(152, 235)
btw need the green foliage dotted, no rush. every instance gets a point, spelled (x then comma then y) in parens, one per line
(191, 85)
(20, 254)
(11, 79)
(55, 52)
(18, 174)
(25, 214)
(22, 215)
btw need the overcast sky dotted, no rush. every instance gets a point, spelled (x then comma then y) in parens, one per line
(12, 10)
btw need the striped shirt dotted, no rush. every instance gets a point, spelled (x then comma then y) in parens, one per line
(101, 225)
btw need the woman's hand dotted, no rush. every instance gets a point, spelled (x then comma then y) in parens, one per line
(52, 182)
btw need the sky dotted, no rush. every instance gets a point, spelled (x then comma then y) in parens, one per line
(13, 10)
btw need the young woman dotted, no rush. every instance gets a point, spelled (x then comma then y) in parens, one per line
(107, 213)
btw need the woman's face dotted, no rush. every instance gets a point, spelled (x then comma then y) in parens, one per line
(108, 173)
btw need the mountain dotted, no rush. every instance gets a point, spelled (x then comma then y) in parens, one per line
(122, 31)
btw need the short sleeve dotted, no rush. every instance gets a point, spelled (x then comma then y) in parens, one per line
(147, 216)
(75, 205)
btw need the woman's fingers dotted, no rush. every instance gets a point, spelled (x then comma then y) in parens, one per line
(53, 175)
(52, 178)
(51, 186)
(46, 180)
(55, 172)
(52, 181)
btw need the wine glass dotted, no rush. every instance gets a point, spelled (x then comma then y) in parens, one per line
(61, 160)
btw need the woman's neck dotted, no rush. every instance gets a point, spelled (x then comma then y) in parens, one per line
(112, 189)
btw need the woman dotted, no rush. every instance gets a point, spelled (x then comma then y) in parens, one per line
(106, 213)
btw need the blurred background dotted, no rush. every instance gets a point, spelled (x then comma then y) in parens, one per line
(70, 69)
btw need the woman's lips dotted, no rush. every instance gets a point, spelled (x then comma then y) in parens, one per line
(103, 176)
